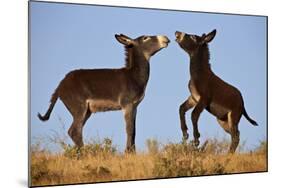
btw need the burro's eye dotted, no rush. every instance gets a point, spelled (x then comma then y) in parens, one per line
(145, 38)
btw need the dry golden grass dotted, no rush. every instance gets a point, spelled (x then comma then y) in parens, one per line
(100, 162)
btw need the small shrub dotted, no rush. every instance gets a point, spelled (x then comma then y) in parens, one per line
(217, 147)
(177, 160)
(262, 148)
(103, 148)
(182, 159)
(152, 146)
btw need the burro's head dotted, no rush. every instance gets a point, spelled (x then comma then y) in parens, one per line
(146, 45)
(191, 43)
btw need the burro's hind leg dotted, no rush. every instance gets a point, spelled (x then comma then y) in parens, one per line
(75, 131)
(130, 112)
(233, 120)
(184, 107)
(225, 125)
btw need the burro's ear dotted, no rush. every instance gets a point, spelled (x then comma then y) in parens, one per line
(209, 37)
(123, 39)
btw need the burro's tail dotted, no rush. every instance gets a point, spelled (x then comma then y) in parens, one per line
(53, 101)
(253, 122)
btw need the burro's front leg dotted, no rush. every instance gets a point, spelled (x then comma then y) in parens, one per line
(184, 107)
(194, 118)
(130, 112)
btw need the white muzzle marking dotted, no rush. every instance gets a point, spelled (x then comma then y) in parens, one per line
(181, 37)
(163, 41)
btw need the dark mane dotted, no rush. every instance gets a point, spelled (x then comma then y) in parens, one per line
(200, 61)
(205, 55)
(128, 57)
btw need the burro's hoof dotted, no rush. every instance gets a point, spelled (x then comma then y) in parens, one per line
(131, 150)
(185, 136)
(195, 143)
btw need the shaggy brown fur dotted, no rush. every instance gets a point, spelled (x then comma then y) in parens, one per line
(84, 92)
(208, 91)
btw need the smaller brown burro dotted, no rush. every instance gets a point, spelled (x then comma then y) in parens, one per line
(208, 91)
(88, 91)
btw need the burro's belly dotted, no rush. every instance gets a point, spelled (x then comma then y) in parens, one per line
(102, 105)
(217, 110)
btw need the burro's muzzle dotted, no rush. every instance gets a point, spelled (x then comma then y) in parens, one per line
(163, 41)
(179, 36)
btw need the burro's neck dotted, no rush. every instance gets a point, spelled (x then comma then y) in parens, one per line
(199, 63)
(139, 69)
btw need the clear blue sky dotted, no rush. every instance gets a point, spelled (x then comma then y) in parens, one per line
(65, 37)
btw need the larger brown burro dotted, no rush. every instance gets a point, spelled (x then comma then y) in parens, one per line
(87, 91)
(208, 91)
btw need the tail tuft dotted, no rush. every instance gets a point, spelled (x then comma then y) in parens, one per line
(43, 118)
(52, 104)
(253, 122)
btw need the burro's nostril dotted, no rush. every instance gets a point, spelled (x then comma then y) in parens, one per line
(166, 39)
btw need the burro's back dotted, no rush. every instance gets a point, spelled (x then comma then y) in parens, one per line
(88, 91)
